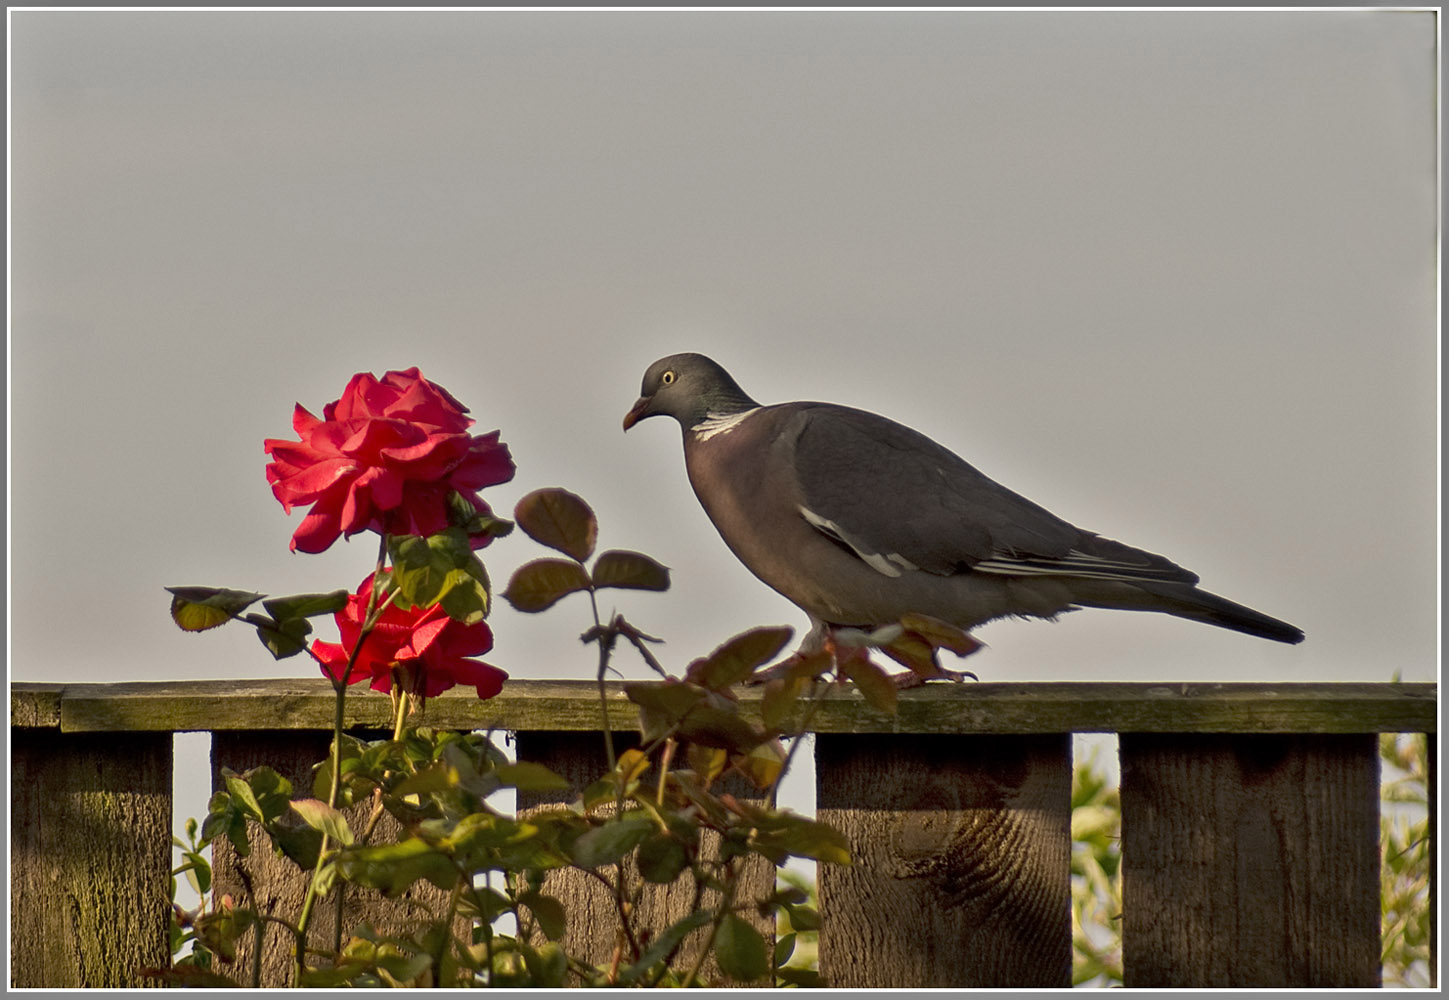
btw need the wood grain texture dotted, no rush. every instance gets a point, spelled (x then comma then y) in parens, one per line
(961, 855)
(278, 885)
(1250, 861)
(307, 703)
(90, 862)
(593, 919)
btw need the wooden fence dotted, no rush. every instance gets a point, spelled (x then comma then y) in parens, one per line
(1250, 822)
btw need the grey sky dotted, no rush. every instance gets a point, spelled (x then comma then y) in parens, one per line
(1171, 275)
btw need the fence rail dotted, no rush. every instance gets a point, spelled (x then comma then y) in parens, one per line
(1250, 821)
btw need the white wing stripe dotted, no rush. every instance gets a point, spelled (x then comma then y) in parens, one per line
(1074, 563)
(887, 564)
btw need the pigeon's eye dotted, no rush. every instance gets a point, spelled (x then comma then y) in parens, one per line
(667, 378)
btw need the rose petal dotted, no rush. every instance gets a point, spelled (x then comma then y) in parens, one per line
(312, 482)
(318, 530)
(303, 421)
(485, 678)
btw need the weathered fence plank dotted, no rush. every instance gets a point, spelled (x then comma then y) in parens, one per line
(961, 861)
(1250, 860)
(90, 861)
(1058, 707)
(963, 775)
(593, 921)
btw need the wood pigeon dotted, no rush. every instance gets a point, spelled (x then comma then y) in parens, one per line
(860, 520)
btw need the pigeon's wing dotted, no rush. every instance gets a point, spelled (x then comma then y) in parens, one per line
(902, 502)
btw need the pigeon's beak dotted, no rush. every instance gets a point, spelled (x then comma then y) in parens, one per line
(637, 412)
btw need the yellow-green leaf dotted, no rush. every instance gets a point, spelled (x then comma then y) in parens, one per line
(543, 582)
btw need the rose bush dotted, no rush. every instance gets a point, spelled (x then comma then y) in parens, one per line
(422, 649)
(386, 456)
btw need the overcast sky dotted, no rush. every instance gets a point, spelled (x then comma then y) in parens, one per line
(1171, 275)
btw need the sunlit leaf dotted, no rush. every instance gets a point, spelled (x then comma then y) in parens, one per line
(874, 683)
(631, 570)
(486, 830)
(528, 776)
(941, 634)
(737, 658)
(439, 776)
(763, 764)
(242, 795)
(560, 520)
(320, 816)
(782, 696)
(196, 609)
(707, 762)
(543, 582)
(441, 568)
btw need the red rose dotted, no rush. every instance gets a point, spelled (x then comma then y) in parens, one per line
(430, 651)
(384, 457)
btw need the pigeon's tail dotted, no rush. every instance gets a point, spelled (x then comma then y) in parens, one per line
(1199, 605)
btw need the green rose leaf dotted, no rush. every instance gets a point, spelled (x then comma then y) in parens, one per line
(282, 638)
(630, 570)
(242, 796)
(803, 978)
(440, 569)
(804, 918)
(662, 858)
(395, 867)
(548, 965)
(548, 911)
(784, 948)
(462, 514)
(527, 776)
(737, 658)
(196, 609)
(560, 520)
(604, 845)
(874, 683)
(663, 945)
(804, 838)
(543, 582)
(740, 950)
(320, 816)
(305, 605)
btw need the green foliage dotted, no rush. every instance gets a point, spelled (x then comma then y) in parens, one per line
(283, 629)
(1405, 860)
(656, 817)
(564, 522)
(1096, 878)
(440, 569)
(797, 931)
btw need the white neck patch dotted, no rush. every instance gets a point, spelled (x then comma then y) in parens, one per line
(720, 423)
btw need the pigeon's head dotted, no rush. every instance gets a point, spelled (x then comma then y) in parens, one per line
(690, 388)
